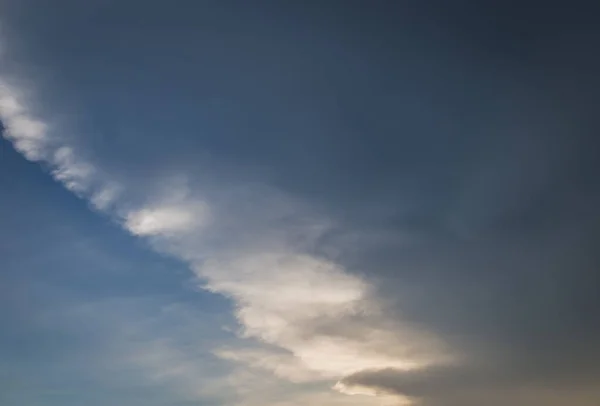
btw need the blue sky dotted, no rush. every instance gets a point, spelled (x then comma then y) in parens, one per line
(258, 203)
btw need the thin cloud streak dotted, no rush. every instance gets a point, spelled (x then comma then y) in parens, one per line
(35, 139)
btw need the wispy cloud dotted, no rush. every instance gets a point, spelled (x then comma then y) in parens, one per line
(165, 220)
(303, 318)
(38, 142)
(28, 135)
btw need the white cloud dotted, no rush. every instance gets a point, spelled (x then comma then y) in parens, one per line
(105, 196)
(72, 173)
(259, 390)
(318, 322)
(166, 221)
(37, 141)
(28, 134)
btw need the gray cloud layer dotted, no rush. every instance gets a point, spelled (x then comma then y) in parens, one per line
(457, 160)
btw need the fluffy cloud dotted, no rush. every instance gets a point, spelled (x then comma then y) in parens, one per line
(323, 318)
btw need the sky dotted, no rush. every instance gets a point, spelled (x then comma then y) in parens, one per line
(230, 203)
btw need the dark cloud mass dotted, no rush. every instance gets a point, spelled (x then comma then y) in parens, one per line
(454, 144)
(506, 262)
